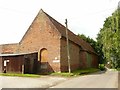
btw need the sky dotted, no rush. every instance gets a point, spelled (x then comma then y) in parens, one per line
(84, 16)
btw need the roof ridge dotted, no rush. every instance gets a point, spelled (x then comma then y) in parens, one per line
(52, 20)
(58, 22)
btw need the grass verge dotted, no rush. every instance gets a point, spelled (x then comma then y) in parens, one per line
(65, 74)
(76, 72)
(19, 75)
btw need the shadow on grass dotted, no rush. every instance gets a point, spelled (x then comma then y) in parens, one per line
(78, 72)
(99, 72)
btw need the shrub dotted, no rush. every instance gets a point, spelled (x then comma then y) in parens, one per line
(102, 67)
(118, 69)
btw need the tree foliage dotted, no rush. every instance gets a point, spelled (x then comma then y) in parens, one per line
(109, 38)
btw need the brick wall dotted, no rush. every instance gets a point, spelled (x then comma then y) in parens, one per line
(83, 59)
(94, 60)
(74, 55)
(42, 34)
(78, 57)
(9, 48)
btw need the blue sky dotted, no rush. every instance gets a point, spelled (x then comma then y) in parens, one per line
(84, 16)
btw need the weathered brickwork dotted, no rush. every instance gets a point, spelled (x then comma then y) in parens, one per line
(94, 62)
(42, 34)
(74, 55)
(9, 48)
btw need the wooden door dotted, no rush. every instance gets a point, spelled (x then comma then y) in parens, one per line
(44, 60)
(27, 65)
(44, 55)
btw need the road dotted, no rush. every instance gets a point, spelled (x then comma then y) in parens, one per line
(108, 79)
(26, 82)
(103, 80)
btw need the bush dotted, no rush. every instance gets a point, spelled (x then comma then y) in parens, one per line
(102, 67)
(118, 69)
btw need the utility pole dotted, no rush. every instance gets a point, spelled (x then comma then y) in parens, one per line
(119, 5)
(68, 52)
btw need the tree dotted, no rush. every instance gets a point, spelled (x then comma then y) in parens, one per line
(109, 38)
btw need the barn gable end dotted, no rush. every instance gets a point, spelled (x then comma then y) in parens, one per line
(41, 29)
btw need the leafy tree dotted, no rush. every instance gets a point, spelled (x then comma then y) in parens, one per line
(109, 38)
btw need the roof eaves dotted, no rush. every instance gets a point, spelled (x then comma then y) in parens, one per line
(17, 54)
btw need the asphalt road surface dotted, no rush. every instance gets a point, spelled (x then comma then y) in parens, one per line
(26, 82)
(108, 79)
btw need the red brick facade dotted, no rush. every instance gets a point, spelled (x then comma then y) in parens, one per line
(9, 48)
(45, 33)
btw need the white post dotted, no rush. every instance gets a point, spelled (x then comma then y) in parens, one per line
(23, 69)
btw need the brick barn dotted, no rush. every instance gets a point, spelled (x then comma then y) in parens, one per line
(43, 49)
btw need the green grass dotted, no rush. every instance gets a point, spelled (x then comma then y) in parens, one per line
(86, 71)
(65, 74)
(19, 75)
(76, 72)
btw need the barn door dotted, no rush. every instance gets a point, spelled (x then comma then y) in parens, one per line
(44, 55)
(27, 65)
(44, 60)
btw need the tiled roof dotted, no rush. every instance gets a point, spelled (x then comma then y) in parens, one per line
(72, 37)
